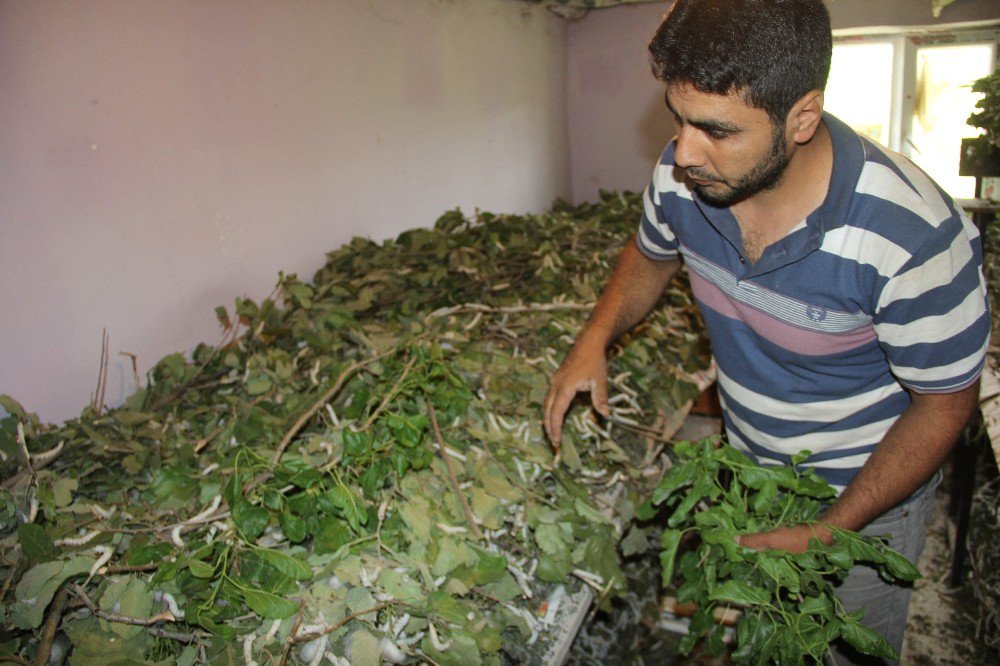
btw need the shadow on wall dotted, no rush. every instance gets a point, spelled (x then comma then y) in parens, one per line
(656, 128)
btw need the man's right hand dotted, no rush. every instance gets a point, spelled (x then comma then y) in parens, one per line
(585, 369)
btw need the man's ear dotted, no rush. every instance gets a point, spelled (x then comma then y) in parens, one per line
(805, 116)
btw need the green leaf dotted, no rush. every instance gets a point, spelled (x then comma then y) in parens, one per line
(550, 539)
(365, 649)
(331, 536)
(267, 605)
(867, 641)
(898, 567)
(127, 596)
(250, 520)
(62, 491)
(490, 568)
(286, 564)
(671, 539)
(200, 569)
(37, 587)
(742, 593)
(293, 526)
(36, 543)
(359, 599)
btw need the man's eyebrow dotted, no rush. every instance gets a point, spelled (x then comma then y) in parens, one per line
(704, 125)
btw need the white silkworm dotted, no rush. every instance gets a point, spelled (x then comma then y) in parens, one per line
(332, 414)
(400, 624)
(248, 650)
(472, 324)
(172, 606)
(320, 653)
(313, 373)
(211, 468)
(453, 453)
(382, 508)
(80, 541)
(580, 573)
(553, 607)
(175, 537)
(593, 474)
(435, 641)
(104, 556)
(102, 512)
(521, 578)
(391, 652)
(465, 485)
(438, 582)
(451, 529)
(407, 641)
(207, 512)
(520, 470)
(272, 632)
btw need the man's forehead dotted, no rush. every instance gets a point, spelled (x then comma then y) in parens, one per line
(683, 98)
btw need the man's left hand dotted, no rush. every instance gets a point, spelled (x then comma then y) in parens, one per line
(794, 539)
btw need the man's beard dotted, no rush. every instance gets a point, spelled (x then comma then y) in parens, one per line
(764, 175)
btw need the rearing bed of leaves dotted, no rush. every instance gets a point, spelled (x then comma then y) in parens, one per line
(356, 471)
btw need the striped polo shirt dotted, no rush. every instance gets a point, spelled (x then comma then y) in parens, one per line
(878, 291)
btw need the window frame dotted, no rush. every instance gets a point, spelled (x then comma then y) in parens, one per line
(906, 42)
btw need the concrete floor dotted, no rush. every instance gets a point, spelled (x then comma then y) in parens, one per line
(941, 629)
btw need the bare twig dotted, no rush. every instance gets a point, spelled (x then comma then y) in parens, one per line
(313, 635)
(290, 641)
(318, 405)
(135, 367)
(133, 568)
(178, 636)
(391, 394)
(51, 626)
(102, 376)
(511, 309)
(476, 532)
(165, 616)
(14, 659)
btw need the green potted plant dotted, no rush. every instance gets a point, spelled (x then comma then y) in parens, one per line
(981, 154)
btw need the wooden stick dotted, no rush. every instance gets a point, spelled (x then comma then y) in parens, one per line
(165, 616)
(51, 626)
(476, 532)
(313, 635)
(391, 394)
(318, 405)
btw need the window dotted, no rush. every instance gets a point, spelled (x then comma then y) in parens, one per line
(910, 92)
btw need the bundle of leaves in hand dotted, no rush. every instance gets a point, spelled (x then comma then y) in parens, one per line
(789, 611)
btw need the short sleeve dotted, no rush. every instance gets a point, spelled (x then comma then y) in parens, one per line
(932, 317)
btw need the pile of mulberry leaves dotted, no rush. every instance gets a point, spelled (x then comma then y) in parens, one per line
(282, 496)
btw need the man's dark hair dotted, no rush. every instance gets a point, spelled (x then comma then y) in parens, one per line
(770, 51)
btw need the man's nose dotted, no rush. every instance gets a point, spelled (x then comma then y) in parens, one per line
(686, 152)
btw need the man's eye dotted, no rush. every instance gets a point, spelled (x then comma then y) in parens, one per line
(717, 134)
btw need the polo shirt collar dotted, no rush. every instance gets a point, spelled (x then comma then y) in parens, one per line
(849, 155)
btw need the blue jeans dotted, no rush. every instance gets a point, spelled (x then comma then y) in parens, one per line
(886, 604)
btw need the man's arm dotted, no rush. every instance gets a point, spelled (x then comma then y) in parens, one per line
(635, 285)
(913, 449)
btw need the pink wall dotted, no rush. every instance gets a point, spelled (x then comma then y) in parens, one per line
(618, 123)
(161, 157)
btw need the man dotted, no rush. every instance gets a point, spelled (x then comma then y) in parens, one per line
(841, 288)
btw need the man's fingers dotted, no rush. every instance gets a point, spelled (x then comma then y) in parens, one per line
(557, 402)
(599, 396)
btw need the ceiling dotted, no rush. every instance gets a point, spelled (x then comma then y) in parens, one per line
(576, 8)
